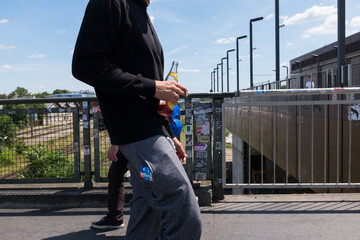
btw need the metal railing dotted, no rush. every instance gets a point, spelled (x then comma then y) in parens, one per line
(70, 131)
(323, 79)
(301, 138)
(41, 140)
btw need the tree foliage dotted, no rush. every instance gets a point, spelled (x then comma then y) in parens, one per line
(60, 91)
(7, 130)
(46, 163)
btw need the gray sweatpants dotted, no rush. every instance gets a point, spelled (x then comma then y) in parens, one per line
(163, 204)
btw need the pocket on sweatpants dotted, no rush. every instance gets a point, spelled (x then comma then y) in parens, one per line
(146, 173)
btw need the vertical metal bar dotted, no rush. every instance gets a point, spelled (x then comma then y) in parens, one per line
(338, 145)
(341, 22)
(224, 148)
(274, 141)
(325, 141)
(277, 45)
(76, 137)
(249, 131)
(219, 151)
(287, 145)
(312, 143)
(262, 145)
(349, 75)
(350, 135)
(87, 146)
(96, 146)
(189, 138)
(299, 143)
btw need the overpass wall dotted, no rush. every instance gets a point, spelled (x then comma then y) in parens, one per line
(312, 143)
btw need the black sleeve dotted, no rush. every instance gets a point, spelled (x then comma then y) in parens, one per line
(91, 60)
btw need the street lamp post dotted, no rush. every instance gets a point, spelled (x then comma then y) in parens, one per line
(287, 76)
(218, 76)
(227, 73)
(237, 62)
(214, 79)
(277, 45)
(341, 42)
(251, 50)
(222, 74)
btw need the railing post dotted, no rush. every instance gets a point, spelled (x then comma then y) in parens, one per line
(87, 146)
(188, 138)
(218, 191)
(96, 146)
(77, 152)
(349, 75)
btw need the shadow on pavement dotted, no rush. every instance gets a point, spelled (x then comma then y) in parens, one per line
(86, 235)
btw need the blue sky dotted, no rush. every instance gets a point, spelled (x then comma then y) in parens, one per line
(38, 38)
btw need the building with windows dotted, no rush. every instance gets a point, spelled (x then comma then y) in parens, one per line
(321, 66)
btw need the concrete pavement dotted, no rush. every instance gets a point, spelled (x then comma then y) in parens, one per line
(318, 216)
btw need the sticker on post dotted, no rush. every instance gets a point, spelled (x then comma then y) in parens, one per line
(354, 113)
(96, 133)
(199, 163)
(188, 130)
(146, 174)
(200, 176)
(200, 147)
(86, 150)
(76, 147)
(188, 113)
(201, 154)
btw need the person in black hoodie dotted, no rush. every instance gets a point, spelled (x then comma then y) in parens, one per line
(119, 54)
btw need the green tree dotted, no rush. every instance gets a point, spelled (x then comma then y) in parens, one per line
(19, 91)
(18, 119)
(3, 96)
(41, 95)
(7, 130)
(59, 91)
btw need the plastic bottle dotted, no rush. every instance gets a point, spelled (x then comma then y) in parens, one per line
(166, 108)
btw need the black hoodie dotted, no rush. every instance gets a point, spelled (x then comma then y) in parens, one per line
(119, 54)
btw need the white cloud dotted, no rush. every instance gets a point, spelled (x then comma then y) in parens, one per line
(189, 70)
(72, 51)
(152, 18)
(290, 44)
(270, 16)
(355, 22)
(326, 14)
(6, 66)
(315, 13)
(328, 27)
(225, 40)
(37, 56)
(4, 21)
(2, 47)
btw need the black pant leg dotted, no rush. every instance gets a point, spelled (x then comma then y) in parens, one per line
(116, 189)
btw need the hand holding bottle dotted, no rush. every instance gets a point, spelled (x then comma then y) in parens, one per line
(170, 91)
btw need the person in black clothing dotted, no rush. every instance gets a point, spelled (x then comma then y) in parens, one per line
(116, 192)
(119, 54)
